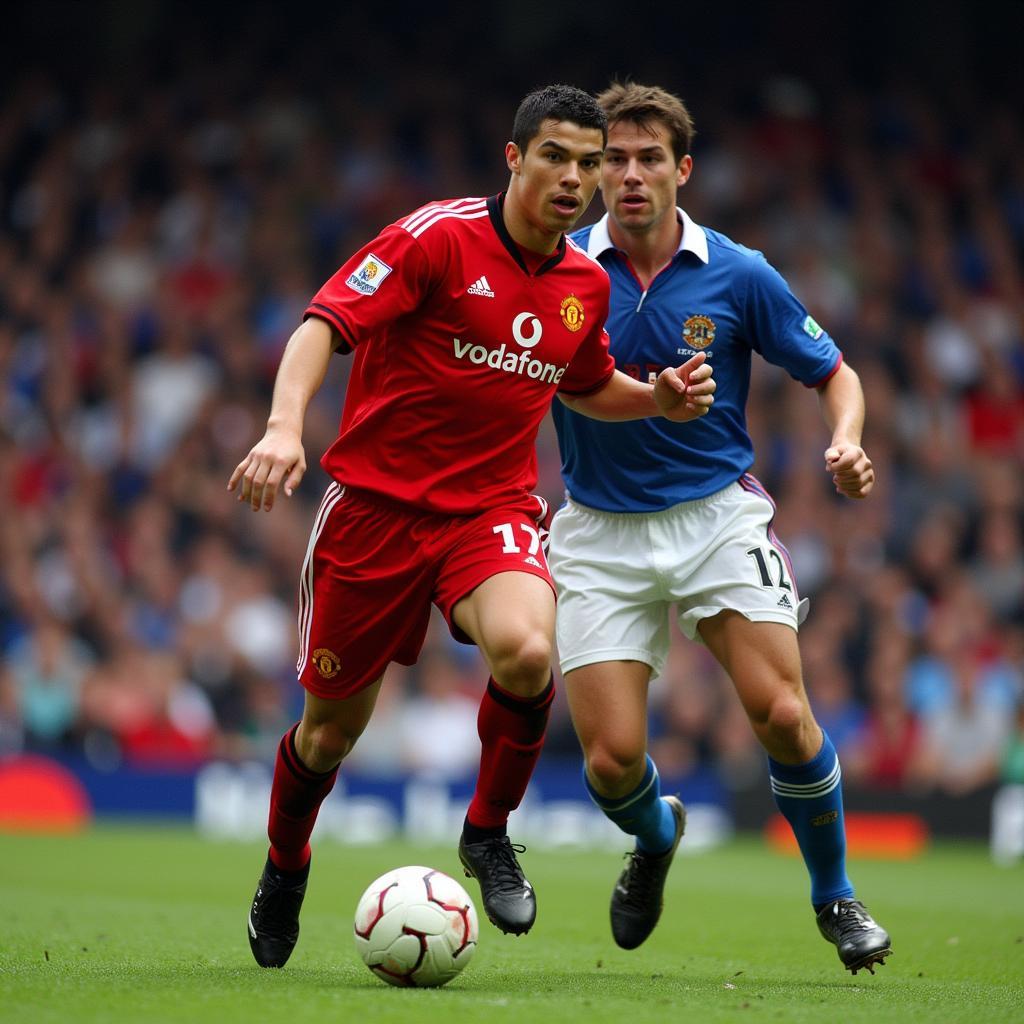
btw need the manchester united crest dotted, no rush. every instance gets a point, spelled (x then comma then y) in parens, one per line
(326, 662)
(572, 313)
(699, 331)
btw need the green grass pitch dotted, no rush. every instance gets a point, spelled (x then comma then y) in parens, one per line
(148, 924)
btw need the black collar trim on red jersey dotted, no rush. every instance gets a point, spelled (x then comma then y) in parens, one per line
(494, 206)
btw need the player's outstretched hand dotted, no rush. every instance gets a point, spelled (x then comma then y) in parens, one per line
(851, 469)
(685, 392)
(278, 457)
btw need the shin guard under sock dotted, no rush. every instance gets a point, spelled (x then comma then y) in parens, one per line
(810, 797)
(295, 800)
(511, 733)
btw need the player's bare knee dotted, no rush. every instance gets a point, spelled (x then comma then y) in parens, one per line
(523, 664)
(789, 720)
(612, 767)
(324, 745)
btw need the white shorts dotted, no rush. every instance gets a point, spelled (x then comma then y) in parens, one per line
(617, 573)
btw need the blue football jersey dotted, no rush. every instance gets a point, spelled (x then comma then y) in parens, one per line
(716, 297)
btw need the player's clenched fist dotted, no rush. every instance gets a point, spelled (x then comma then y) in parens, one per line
(851, 470)
(686, 392)
(277, 457)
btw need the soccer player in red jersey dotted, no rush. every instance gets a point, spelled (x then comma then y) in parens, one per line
(466, 318)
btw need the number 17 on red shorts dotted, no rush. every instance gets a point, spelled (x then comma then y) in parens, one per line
(373, 567)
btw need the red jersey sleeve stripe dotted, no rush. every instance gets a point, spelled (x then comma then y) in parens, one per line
(828, 376)
(326, 313)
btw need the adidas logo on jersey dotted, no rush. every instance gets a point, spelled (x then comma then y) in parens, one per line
(784, 602)
(480, 287)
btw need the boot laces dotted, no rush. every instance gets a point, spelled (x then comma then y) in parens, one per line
(640, 882)
(277, 903)
(502, 866)
(850, 917)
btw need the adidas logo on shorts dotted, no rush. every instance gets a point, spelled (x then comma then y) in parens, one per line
(784, 602)
(530, 560)
(480, 287)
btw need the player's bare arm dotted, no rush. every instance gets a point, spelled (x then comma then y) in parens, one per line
(681, 393)
(842, 407)
(279, 457)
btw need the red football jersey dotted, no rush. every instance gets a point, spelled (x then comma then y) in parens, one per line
(459, 349)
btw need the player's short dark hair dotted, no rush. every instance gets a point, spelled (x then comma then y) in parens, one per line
(642, 104)
(559, 103)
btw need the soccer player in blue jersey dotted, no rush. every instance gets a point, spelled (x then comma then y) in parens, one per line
(661, 514)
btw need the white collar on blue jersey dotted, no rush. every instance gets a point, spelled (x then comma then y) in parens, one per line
(693, 240)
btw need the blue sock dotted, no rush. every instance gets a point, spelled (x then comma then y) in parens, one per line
(810, 797)
(641, 813)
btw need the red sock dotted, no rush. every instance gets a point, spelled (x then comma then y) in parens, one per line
(511, 736)
(295, 800)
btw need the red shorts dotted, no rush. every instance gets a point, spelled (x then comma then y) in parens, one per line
(373, 567)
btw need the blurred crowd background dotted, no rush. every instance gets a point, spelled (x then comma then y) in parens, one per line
(173, 189)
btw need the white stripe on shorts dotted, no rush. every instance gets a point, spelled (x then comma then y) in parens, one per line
(332, 496)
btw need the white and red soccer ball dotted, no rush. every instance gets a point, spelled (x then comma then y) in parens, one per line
(415, 926)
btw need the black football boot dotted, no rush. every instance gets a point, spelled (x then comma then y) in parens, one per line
(274, 917)
(859, 940)
(639, 894)
(508, 897)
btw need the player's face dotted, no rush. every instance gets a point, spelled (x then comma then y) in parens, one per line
(555, 179)
(640, 175)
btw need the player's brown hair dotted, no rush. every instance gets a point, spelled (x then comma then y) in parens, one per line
(642, 104)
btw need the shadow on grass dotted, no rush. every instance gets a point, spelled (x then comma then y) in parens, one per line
(514, 983)
(527, 984)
